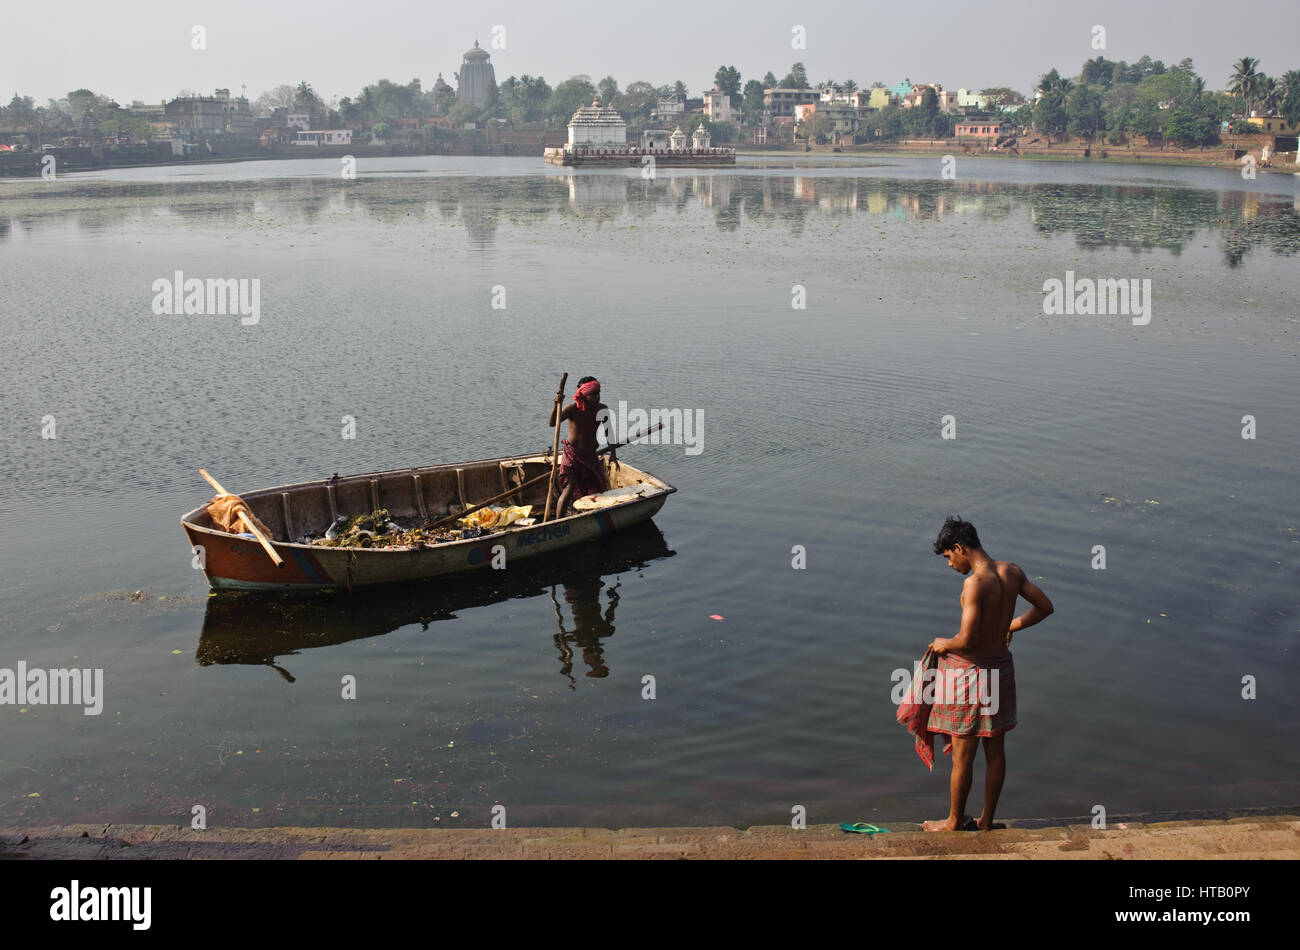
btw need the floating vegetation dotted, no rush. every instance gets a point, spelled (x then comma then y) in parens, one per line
(1144, 505)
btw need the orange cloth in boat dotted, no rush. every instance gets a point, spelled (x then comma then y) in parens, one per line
(225, 511)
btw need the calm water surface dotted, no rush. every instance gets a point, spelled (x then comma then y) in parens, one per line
(822, 429)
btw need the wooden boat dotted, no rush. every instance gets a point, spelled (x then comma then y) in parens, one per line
(412, 496)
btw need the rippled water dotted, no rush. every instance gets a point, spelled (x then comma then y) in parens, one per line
(822, 429)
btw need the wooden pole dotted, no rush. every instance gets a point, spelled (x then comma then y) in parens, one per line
(555, 448)
(247, 522)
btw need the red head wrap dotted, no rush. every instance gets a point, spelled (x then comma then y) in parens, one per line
(588, 394)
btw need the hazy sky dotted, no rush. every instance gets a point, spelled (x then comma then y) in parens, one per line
(141, 49)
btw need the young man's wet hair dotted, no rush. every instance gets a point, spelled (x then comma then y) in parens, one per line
(954, 532)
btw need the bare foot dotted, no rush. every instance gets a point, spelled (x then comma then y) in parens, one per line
(946, 825)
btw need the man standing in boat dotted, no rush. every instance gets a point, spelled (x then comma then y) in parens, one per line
(581, 471)
(985, 708)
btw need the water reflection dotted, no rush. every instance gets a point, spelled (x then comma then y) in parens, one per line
(1097, 215)
(590, 626)
(260, 630)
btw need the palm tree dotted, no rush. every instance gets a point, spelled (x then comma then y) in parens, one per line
(1290, 93)
(1267, 95)
(850, 86)
(1065, 85)
(1244, 81)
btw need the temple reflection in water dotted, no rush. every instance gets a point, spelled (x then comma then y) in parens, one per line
(1135, 217)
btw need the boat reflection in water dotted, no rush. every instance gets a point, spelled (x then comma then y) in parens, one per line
(252, 629)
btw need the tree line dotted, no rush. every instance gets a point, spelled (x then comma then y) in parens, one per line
(1109, 100)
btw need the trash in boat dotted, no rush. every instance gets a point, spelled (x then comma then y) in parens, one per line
(378, 530)
(496, 517)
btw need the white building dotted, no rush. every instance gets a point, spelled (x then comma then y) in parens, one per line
(655, 139)
(668, 107)
(298, 120)
(833, 94)
(594, 126)
(717, 106)
(323, 137)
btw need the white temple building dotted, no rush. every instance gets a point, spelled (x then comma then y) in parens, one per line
(598, 136)
(594, 126)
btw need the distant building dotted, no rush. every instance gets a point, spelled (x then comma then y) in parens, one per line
(780, 100)
(982, 127)
(947, 101)
(1286, 136)
(595, 126)
(842, 117)
(969, 100)
(833, 93)
(655, 138)
(217, 114)
(717, 106)
(598, 136)
(668, 107)
(880, 98)
(475, 76)
(323, 137)
(142, 110)
(443, 95)
(298, 120)
(1273, 124)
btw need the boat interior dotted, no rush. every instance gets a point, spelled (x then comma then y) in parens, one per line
(412, 496)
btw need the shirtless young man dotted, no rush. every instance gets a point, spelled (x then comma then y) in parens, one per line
(988, 601)
(581, 471)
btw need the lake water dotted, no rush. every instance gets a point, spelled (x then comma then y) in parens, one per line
(923, 298)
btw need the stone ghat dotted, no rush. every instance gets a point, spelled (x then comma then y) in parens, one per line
(1247, 838)
(618, 158)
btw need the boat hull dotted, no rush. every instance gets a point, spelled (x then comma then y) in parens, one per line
(233, 562)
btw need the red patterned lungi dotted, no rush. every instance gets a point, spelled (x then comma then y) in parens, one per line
(953, 696)
(584, 471)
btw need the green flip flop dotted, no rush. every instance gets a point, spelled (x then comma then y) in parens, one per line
(862, 828)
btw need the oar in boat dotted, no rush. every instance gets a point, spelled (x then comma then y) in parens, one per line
(636, 438)
(262, 539)
(430, 525)
(555, 447)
